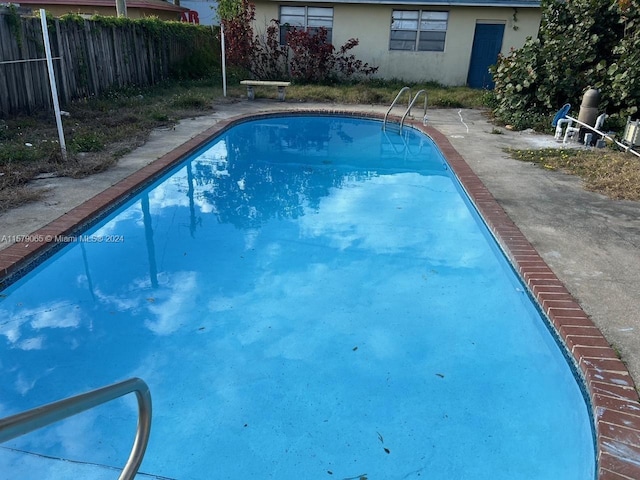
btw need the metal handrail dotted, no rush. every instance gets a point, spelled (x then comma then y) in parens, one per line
(25, 422)
(404, 89)
(626, 148)
(411, 106)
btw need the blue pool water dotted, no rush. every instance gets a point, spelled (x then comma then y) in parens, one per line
(307, 298)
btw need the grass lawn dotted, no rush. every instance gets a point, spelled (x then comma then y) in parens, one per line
(607, 171)
(100, 130)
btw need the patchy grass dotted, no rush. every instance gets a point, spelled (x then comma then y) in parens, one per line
(100, 130)
(612, 173)
(374, 93)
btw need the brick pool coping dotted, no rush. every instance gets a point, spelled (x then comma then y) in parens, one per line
(611, 390)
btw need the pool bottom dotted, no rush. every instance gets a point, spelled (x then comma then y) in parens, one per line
(613, 404)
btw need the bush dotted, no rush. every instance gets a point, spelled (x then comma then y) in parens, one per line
(624, 74)
(581, 44)
(315, 60)
(307, 57)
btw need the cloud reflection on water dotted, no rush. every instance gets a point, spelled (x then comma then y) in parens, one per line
(279, 306)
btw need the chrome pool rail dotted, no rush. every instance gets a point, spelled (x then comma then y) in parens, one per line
(408, 112)
(30, 420)
(411, 103)
(386, 115)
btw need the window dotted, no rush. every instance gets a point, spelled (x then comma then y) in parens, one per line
(418, 30)
(306, 18)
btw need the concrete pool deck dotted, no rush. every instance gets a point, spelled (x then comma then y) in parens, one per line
(588, 242)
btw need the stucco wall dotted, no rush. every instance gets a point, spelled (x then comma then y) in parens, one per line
(370, 24)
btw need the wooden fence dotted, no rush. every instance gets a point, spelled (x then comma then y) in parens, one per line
(90, 57)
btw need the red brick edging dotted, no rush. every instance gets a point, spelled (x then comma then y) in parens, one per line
(614, 399)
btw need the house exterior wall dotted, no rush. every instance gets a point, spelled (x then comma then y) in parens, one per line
(371, 25)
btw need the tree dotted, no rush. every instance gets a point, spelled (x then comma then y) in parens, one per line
(237, 16)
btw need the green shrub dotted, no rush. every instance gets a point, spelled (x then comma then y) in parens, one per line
(575, 50)
(307, 57)
(624, 74)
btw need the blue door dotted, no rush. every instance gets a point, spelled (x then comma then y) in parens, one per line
(487, 42)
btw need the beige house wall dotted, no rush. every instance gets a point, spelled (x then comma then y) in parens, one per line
(371, 25)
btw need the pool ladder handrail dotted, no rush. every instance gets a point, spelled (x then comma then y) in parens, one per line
(395, 100)
(408, 111)
(30, 420)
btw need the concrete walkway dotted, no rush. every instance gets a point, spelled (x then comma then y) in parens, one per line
(591, 243)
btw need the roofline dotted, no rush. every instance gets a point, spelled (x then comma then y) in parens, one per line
(105, 3)
(435, 3)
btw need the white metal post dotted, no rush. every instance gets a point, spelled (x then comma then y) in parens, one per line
(224, 60)
(121, 8)
(52, 82)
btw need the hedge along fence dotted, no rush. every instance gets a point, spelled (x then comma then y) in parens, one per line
(96, 55)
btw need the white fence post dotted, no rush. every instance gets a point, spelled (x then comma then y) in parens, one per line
(52, 82)
(224, 60)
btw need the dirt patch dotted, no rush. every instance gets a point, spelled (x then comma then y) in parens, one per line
(19, 195)
(97, 133)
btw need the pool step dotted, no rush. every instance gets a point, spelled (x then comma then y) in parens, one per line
(392, 127)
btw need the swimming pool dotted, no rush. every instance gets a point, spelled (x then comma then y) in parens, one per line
(314, 321)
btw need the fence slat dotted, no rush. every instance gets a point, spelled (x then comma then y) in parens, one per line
(93, 58)
(10, 49)
(61, 66)
(4, 74)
